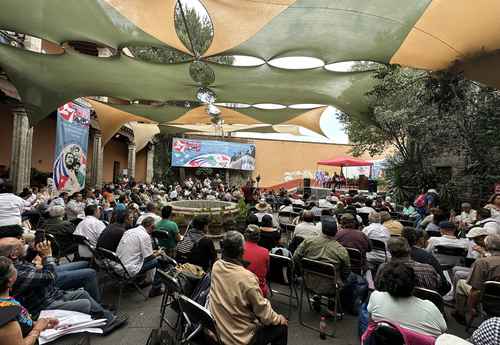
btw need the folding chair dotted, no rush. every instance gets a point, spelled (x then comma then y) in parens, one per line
(82, 241)
(386, 334)
(198, 319)
(364, 218)
(289, 229)
(356, 260)
(379, 245)
(406, 222)
(449, 257)
(281, 271)
(396, 215)
(115, 269)
(158, 236)
(170, 297)
(319, 278)
(297, 208)
(289, 216)
(490, 298)
(430, 295)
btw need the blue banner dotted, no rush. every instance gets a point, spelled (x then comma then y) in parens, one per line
(212, 154)
(72, 139)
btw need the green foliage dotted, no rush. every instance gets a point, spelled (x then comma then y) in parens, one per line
(422, 116)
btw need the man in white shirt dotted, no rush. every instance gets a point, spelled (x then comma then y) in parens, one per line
(90, 228)
(307, 228)
(485, 220)
(468, 216)
(367, 208)
(447, 239)
(11, 206)
(135, 251)
(376, 231)
(151, 211)
(75, 207)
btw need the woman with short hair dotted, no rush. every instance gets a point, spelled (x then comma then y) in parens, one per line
(16, 326)
(398, 305)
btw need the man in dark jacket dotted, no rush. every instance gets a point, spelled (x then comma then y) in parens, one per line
(111, 236)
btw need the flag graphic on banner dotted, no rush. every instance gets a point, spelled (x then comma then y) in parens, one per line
(72, 138)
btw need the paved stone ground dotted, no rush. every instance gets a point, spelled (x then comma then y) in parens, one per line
(144, 316)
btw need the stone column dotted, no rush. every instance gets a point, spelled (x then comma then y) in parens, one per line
(21, 137)
(150, 158)
(27, 159)
(97, 162)
(131, 160)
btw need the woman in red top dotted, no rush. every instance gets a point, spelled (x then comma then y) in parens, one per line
(257, 257)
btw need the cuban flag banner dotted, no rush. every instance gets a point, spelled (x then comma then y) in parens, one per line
(72, 139)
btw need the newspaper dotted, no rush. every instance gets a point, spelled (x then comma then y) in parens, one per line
(69, 322)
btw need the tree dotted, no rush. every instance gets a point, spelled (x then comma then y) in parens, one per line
(421, 116)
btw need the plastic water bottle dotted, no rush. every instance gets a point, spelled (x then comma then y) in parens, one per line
(322, 328)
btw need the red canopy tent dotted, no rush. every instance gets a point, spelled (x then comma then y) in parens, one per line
(345, 162)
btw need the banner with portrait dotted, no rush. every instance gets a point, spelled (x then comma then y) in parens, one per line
(72, 137)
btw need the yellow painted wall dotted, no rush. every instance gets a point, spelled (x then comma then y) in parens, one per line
(277, 158)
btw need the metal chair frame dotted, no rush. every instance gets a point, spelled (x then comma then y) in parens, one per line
(170, 297)
(356, 260)
(430, 295)
(325, 271)
(192, 313)
(280, 262)
(109, 261)
(379, 245)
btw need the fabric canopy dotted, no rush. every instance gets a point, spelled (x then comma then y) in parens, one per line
(345, 162)
(429, 34)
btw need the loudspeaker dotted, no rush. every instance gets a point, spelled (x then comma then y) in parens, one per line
(307, 183)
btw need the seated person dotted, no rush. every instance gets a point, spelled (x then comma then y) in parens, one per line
(113, 233)
(151, 211)
(350, 236)
(367, 208)
(425, 275)
(195, 247)
(477, 249)
(448, 239)
(306, 228)
(90, 228)
(326, 249)
(242, 315)
(397, 304)
(468, 291)
(16, 325)
(11, 207)
(263, 209)
(485, 220)
(135, 251)
(36, 287)
(62, 230)
(437, 216)
(415, 238)
(257, 257)
(467, 216)
(378, 232)
(409, 210)
(390, 224)
(171, 228)
(269, 235)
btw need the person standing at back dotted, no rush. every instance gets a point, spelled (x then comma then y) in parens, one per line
(171, 228)
(257, 257)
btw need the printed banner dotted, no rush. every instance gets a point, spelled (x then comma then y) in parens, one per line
(212, 154)
(72, 139)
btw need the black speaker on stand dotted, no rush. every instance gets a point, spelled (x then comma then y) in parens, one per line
(307, 186)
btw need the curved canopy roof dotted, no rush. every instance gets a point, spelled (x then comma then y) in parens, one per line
(345, 162)
(429, 34)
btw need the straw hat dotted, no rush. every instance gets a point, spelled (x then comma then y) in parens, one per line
(262, 206)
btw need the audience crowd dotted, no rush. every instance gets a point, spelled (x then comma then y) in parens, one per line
(398, 265)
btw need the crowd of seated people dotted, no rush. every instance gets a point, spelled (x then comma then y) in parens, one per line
(123, 218)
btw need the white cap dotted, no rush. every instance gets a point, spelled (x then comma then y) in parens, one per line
(477, 231)
(448, 339)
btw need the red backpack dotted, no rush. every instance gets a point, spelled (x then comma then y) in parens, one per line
(420, 201)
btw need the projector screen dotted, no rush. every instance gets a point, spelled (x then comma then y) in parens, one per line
(193, 153)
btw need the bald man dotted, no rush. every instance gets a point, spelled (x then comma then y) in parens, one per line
(36, 284)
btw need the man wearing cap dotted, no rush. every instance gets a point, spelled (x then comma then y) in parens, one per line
(326, 249)
(484, 269)
(477, 249)
(351, 237)
(485, 220)
(62, 230)
(467, 217)
(256, 256)
(448, 239)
